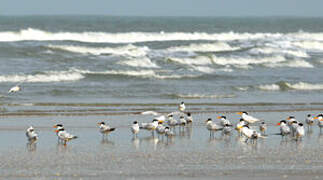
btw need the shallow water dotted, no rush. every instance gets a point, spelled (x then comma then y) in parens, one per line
(189, 155)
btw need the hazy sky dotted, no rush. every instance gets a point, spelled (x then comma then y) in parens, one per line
(165, 7)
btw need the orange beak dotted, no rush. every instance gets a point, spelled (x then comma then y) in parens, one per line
(55, 126)
(240, 113)
(315, 117)
(278, 124)
(56, 131)
(219, 117)
(288, 118)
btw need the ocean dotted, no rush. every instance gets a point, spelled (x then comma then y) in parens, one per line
(104, 59)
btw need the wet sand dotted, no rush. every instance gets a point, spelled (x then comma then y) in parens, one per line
(192, 155)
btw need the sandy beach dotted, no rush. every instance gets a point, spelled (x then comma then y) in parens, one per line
(189, 155)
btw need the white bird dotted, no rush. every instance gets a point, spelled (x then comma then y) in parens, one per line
(239, 125)
(181, 107)
(135, 128)
(160, 129)
(172, 122)
(14, 89)
(182, 122)
(226, 129)
(248, 118)
(309, 120)
(250, 134)
(212, 127)
(58, 126)
(300, 132)
(263, 128)
(31, 134)
(189, 118)
(320, 121)
(224, 121)
(293, 127)
(284, 128)
(105, 129)
(159, 116)
(290, 120)
(150, 126)
(65, 136)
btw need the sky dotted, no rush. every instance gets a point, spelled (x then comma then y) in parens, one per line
(306, 8)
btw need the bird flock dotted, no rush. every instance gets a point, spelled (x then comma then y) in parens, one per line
(246, 127)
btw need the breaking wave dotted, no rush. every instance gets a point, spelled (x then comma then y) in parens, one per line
(281, 86)
(132, 37)
(51, 76)
(128, 50)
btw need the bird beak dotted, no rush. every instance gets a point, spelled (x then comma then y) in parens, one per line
(99, 124)
(239, 127)
(55, 126)
(278, 124)
(240, 113)
(56, 131)
(219, 117)
(315, 117)
(288, 118)
(160, 121)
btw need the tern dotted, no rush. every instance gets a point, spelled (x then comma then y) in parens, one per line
(105, 129)
(250, 134)
(172, 122)
(32, 136)
(189, 118)
(309, 120)
(14, 89)
(182, 123)
(239, 125)
(212, 127)
(181, 107)
(160, 129)
(320, 121)
(284, 128)
(135, 128)
(150, 126)
(300, 132)
(250, 119)
(65, 136)
(263, 128)
(224, 121)
(58, 126)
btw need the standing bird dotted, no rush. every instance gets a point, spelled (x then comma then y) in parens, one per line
(135, 128)
(58, 126)
(224, 121)
(64, 136)
(263, 128)
(239, 125)
(189, 118)
(250, 134)
(181, 107)
(246, 117)
(300, 132)
(309, 120)
(284, 128)
(32, 136)
(150, 126)
(14, 89)
(160, 129)
(172, 122)
(226, 129)
(182, 123)
(320, 121)
(105, 129)
(212, 127)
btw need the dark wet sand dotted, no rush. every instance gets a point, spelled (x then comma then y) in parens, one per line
(187, 156)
